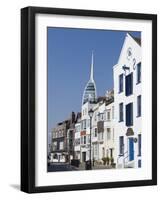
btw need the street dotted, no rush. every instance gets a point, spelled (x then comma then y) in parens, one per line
(55, 167)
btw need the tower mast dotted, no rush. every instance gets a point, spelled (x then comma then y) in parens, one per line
(92, 62)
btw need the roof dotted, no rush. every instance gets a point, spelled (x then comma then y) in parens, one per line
(137, 39)
(78, 117)
(106, 100)
(128, 35)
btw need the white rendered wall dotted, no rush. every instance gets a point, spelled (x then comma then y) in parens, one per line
(120, 127)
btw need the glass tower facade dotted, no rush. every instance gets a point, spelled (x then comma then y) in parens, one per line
(90, 94)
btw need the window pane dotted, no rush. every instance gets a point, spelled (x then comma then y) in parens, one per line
(121, 146)
(139, 106)
(129, 114)
(121, 83)
(139, 145)
(129, 84)
(108, 133)
(108, 115)
(139, 72)
(121, 112)
(84, 139)
(61, 145)
(95, 132)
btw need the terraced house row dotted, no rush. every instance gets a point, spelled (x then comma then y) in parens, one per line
(108, 128)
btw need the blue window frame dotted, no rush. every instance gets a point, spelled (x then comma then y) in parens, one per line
(129, 84)
(129, 114)
(121, 145)
(139, 145)
(138, 73)
(120, 83)
(139, 106)
(121, 112)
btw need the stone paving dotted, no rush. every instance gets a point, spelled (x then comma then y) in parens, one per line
(95, 167)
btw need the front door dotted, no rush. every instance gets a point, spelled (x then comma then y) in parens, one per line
(83, 156)
(131, 149)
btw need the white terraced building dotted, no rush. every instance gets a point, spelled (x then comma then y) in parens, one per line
(77, 137)
(103, 130)
(85, 132)
(127, 103)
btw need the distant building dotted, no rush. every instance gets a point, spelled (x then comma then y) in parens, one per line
(127, 94)
(77, 137)
(62, 137)
(59, 142)
(49, 143)
(71, 137)
(85, 131)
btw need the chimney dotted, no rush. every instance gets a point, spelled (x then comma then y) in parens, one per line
(72, 117)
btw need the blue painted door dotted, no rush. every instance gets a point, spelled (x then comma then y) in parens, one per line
(131, 149)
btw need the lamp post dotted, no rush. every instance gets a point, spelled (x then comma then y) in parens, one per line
(90, 113)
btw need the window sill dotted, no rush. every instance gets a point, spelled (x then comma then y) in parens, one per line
(138, 83)
(120, 92)
(138, 116)
(128, 95)
(129, 125)
(121, 121)
(121, 155)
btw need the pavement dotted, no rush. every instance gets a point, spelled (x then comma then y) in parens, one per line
(95, 167)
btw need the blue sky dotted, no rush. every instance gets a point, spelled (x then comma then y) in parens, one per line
(69, 59)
